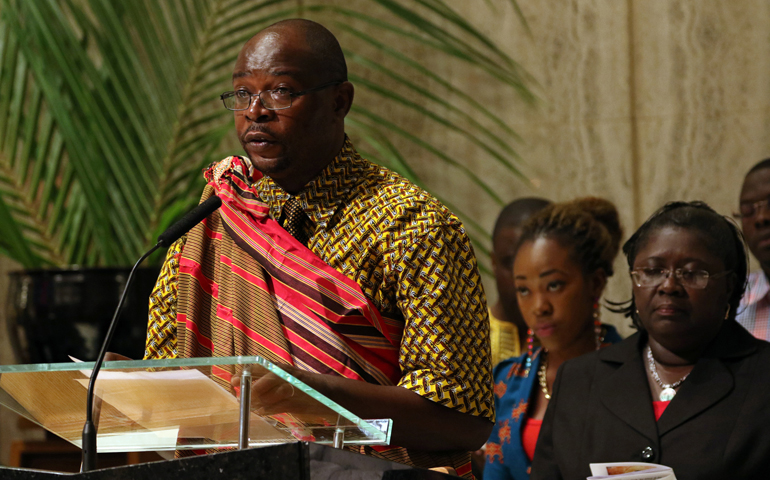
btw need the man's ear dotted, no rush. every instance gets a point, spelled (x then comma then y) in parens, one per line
(343, 99)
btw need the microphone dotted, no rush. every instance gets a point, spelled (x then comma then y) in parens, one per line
(165, 239)
(191, 219)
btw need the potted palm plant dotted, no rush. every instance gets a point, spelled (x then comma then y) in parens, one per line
(109, 110)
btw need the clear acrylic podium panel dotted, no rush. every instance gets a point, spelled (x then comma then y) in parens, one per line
(180, 404)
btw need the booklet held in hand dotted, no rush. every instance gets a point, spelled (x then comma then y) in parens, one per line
(631, 471)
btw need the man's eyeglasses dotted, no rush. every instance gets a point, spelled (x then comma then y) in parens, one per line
(749, 210)
(277, 99)
(652, 277)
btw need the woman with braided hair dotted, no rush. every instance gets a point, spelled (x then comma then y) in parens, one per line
(691, 389)
(563, 259)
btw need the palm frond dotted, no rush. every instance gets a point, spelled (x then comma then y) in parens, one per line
(31, 163)
(109, 110)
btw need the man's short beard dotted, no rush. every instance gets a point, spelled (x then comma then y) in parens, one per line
(276, 165)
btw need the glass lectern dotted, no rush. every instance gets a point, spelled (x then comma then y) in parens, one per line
(181, 404)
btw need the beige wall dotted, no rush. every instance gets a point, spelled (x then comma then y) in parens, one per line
(641, 101)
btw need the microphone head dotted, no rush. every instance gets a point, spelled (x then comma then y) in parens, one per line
(191, 218)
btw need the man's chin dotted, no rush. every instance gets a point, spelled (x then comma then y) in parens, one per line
(269, 166)
(761, 251)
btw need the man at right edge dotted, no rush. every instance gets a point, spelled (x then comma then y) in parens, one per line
(754, 214)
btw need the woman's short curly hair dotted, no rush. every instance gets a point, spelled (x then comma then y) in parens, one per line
(589, 227)
(721, 235)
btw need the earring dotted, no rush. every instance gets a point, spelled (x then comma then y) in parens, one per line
(598, 325)
(530, 341)
(530, 349)
(727, 313)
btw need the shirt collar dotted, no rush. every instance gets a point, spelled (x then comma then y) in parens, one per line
(758, 287)
(325, 193)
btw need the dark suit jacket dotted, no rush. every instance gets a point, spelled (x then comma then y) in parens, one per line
(717, 427)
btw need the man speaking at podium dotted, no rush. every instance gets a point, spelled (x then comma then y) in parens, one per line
(351, 278)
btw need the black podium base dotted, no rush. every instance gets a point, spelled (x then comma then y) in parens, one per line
(292, 461)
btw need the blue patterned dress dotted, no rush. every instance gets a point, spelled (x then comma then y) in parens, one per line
(505, 455)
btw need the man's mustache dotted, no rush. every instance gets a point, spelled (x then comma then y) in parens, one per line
(255, 127)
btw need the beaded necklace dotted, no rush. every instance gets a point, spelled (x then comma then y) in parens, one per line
(669, 389)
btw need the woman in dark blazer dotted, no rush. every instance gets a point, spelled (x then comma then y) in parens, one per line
(691, 390)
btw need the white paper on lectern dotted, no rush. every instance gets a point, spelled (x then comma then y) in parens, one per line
(164, 439)
(186, 400)
(166, 374)
(153, 399)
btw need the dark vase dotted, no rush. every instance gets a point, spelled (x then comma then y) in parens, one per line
(61, 312)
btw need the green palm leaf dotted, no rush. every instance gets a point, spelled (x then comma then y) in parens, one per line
(33, 176)
(109, 110)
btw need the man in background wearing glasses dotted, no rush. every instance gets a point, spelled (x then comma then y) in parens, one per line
(754, 312)
(350, 277)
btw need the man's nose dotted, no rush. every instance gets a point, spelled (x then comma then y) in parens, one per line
(257, 112)
(762, 215)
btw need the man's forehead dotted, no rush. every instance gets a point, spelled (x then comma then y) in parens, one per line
(507, 237)
(281, 71)
(756, 184)
(273, 54)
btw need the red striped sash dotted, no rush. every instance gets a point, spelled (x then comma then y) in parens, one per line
(247, 287)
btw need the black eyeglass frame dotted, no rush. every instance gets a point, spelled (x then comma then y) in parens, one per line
(677, 276)
(292, 95)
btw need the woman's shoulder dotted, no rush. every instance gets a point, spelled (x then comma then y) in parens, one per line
(760, 352)
(516, 367)
(614, 352)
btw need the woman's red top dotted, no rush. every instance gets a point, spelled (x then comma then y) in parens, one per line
(659, 407)
(529, 435)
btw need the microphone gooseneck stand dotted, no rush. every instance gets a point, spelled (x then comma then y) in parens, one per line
(89, 429)
(172, 234)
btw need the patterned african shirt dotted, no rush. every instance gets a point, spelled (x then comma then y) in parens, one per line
(412, 259)
(503, 339)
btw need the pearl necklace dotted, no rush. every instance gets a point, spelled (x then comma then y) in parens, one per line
(669, 389)
(541, 372)
(541, 377)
